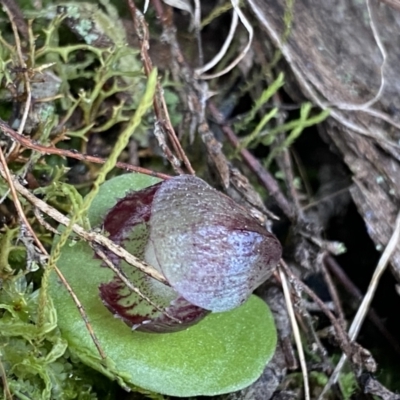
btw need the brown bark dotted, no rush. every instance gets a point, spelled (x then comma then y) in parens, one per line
(338, 63)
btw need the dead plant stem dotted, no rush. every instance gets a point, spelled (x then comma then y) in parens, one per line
(296, 333)
(365, 304)
(31, 144)
(265, 178)
(121, 275)
(14, 187)
(23, 66)
(159, 104)
(342, 337)
(341, 276)
(88, 236)
(334, 295)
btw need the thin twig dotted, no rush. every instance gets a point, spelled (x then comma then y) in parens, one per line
(327, 197)
(345, 281)
(287, 167)
(16, 186)
(88, 236)
(6, 389)
(160, 107)
(296, 333)
(18, 16)
(343, 339)
(380, 268)
(31, 144)
(23, 65)
(44, 223)
(7, 176)
(265, 178)
(364, 306)
(82, 312)
(285, 162)
(121, 275)
(334, 295)
(197, 27)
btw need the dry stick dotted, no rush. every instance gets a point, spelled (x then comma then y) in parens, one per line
(18, 17)
(296, 332)
(88, 236)
(195, 102)
(313, 337)
(302, 173)
(44, 223)
(310, 330)
(197, 29)
(343, 339)
(143, 36)
(334, 294)
(82, 312)
(363, 309)
(31, 144)
(287, 165)
(5, 172)
(6, 390)
(91, 236)
(160, 107)
(14, 184)
(336, 269)
(121, 275)
(263, 176)
(327, 197)
(23, 65)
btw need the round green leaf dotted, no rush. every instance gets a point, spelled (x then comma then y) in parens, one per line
(224, 352)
